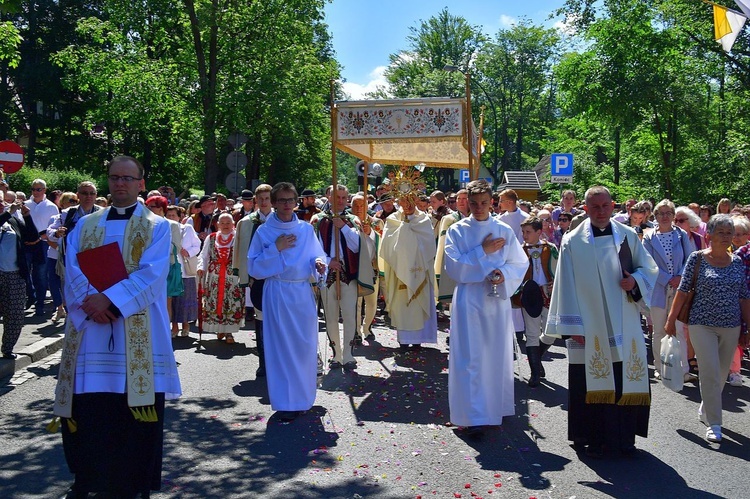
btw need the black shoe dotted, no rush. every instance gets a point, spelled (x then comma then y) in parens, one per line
(351, 365)
(473, 432)
(370, 335)
(595, 451)
(334, 364)
(357, 340)
(288, 416)
(10, 356)
(260, 372)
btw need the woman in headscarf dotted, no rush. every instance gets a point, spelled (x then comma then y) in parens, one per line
(223, 299)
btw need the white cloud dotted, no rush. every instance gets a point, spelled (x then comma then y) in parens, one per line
(357, 91)
(507, 20)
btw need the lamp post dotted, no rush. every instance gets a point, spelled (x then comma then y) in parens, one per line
(451, 69)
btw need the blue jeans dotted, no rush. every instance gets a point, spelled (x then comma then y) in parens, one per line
(36, 259)
(55, 284)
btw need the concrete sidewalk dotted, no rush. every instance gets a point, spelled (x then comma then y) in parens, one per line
(40, 337)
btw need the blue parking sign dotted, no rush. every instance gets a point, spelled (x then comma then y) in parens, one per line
(463, 176)
(561, 168)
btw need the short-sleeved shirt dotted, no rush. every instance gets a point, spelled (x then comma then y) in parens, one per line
(718, 291)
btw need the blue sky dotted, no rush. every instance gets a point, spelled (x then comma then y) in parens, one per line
(366, 32)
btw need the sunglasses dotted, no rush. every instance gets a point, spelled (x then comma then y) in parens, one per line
(37, 189)
(563, 220)
(680, 220)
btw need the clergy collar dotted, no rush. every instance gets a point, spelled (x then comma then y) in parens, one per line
(124, 213)
(606, 231)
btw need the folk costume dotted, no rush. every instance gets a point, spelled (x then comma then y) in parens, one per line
(408, 252)
(245, 231)
(370, 300)
(541, 270)
(223, 306)
(289, 310)
(355, 259)
(113, 418)
(480, 373)
(609, 394)
(514, 219)
(445, 284)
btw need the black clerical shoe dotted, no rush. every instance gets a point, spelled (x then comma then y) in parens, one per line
(10, 356)
(351, 365)
(288, 416)
(334, 364)
(595, 450)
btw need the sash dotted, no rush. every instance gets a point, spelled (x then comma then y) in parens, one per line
(139, 356)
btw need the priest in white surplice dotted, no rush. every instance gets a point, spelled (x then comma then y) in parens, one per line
(408, 253)
(287, 254)
(117, 365)
(480, 369)
(603, 275)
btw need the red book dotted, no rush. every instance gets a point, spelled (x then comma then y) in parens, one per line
(103, 266)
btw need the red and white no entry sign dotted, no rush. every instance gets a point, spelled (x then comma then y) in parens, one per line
(11, 156)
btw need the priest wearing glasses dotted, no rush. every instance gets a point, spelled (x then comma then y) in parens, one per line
(112, 419)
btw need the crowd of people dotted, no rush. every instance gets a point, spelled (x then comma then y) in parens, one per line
(604, 278)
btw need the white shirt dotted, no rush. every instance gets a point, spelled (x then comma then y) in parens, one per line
(42, 212)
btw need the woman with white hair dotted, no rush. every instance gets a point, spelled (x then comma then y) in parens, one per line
(670, 247)
(687, 220)
(720, 304)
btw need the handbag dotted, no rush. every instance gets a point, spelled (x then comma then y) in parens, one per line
(174, 278)
(190, 264)
(671, 363)
(684, 314)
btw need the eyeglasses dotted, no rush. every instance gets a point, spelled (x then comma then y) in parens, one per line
(37, 189)
(124, 178)
(680, 220)
(563, 220)
(87, 193)
(286, 200)
(664, 213)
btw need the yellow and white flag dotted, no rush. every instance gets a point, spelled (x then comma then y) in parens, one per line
(727, 26)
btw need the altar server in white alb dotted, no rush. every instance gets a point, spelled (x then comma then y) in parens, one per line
(602, 274)
(117, 365)
(287, 254)
(480, 374)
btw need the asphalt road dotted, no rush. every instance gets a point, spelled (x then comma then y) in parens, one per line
(380, 432)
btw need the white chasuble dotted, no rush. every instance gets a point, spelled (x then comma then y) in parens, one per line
(480, 376)
(408, 252)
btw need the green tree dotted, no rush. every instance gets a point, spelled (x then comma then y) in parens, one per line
(516, 69)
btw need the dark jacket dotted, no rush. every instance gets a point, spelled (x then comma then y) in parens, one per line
(25, 232)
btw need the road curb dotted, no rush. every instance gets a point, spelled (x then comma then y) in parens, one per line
(30, 354)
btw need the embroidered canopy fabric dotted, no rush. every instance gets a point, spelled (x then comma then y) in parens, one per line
(430, 131)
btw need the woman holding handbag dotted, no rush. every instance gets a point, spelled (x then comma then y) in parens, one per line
(185, 307)
(721, 302)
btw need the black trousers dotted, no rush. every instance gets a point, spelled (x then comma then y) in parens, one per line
(111, 452)
(611, 425)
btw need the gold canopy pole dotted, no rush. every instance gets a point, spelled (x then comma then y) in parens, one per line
(469, 135)
(334, 175)
(479, 140)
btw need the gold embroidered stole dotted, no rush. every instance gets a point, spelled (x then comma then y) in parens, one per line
(139, 355)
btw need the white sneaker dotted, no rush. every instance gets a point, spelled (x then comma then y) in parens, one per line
(735, 379)
(713, 433)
